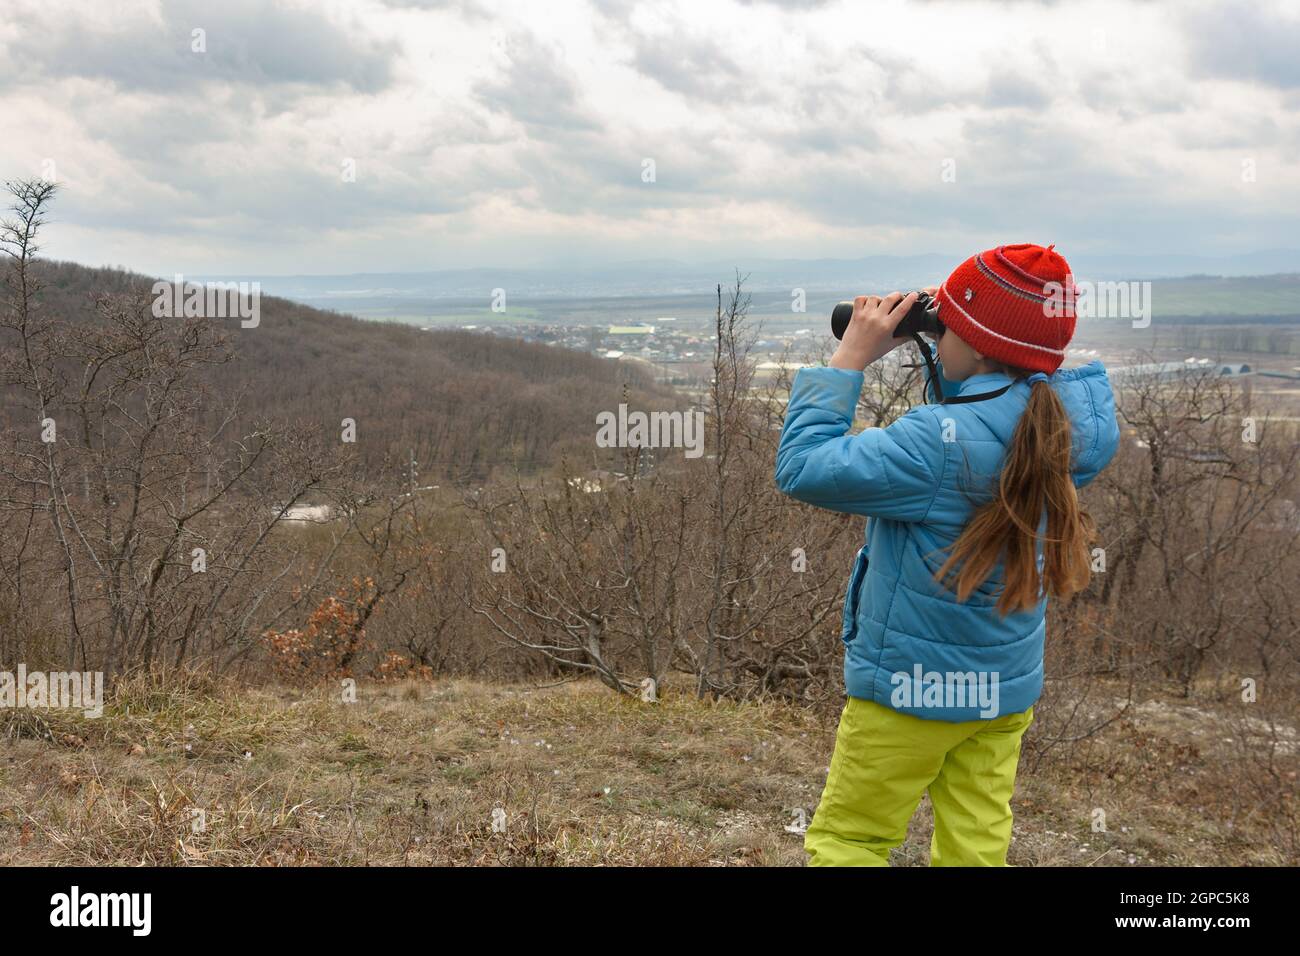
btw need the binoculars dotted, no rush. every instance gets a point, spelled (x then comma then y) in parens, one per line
(923, 316)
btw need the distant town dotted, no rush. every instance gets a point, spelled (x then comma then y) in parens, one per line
(680, 354)
(677, 354)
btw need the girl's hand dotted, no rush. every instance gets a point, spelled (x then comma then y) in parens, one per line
(870, 334)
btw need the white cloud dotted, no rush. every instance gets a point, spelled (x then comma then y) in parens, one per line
(510, 133)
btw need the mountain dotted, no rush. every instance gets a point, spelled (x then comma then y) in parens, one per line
(670, 277)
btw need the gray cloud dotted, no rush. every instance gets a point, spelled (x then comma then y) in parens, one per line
(248, 43)
(1245, 41)
(468, 8)
(695, 66)
(479, 137)
(1007, 88)
(536, 89)
(788, 4)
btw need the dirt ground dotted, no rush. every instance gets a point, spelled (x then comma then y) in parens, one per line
(458, 772)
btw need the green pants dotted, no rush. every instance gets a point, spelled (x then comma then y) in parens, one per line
(884, 760)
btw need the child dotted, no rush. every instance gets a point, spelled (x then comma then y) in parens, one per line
(974, 522)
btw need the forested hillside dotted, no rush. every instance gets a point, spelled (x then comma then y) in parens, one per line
(466, 403)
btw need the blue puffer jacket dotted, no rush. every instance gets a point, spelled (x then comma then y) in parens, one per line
(909, 644)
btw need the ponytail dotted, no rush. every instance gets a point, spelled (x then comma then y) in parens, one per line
(1036, 476)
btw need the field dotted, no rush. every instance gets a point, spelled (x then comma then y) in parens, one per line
(1230, 299)
(1217, 296)
(413, 773)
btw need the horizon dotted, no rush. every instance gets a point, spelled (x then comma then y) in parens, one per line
(785, 287)
(1104, 267)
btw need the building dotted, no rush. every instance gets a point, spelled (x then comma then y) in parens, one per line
(1167, 370)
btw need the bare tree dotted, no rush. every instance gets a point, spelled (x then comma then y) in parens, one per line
(1192, 498)
(122, 473)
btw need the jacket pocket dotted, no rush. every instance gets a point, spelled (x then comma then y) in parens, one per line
(849, 624)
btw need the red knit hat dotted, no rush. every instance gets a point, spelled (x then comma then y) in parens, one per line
(1013, 304)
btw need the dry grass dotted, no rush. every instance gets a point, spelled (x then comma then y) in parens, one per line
(412, 774)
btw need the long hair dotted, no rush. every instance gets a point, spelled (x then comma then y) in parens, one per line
(1036, 476)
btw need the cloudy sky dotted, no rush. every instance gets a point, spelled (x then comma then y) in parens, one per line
(220, 137)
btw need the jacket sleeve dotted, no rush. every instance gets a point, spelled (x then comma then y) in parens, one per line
(1101, 439)
(891, 472)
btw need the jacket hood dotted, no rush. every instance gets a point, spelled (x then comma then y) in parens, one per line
(1085, 392)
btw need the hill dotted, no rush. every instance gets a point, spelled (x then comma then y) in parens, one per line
(464, 403)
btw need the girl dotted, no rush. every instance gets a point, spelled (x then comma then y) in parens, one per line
(974, 522)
